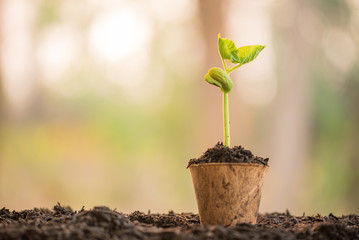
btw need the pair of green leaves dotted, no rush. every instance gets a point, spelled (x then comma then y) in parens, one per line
(220, 77)
(228, 50)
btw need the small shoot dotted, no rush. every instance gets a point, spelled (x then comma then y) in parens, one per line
(220, 78)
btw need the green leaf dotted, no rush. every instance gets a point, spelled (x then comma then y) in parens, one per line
(247, 54)
(226, 47)
(234, 57)
(218, 77)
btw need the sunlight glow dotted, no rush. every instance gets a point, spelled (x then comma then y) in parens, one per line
(120, 33)
(58, 48)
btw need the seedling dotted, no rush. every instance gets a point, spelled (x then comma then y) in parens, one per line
(220, 78)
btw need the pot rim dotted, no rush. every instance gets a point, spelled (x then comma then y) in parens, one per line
(227, 164)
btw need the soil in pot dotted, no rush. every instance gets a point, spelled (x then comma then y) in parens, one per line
(221, 154)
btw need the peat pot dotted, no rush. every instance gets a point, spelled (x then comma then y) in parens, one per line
(228, 193)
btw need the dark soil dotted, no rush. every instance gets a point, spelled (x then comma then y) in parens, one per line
(222, 154)
(103, 223)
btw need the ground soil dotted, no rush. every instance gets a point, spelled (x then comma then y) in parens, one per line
(104, 223)
(222, 154)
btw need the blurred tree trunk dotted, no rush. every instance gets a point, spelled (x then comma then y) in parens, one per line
(2, 98)
(290, 131)
(18, 72)
(2, 103)
(212, 18)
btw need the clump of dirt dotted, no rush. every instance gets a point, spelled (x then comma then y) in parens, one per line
(222, 154)
(63, 223)
(164, 220)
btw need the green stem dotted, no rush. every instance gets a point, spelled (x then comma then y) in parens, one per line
(232, 69)
(224, 65)
(226, 120)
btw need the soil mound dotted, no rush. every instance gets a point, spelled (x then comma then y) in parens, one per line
(222, 154)
(103, 223)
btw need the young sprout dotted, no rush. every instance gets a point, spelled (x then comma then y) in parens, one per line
(220, 78)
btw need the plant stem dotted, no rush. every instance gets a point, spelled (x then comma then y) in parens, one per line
(226, 120)
(224, 65)
(232, 69)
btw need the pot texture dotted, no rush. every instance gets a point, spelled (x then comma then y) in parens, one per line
(228, 193)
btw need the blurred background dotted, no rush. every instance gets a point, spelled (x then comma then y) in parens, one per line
(103, 102)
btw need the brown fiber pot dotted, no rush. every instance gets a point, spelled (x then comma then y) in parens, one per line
(228, 193)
